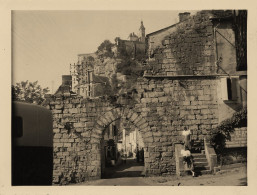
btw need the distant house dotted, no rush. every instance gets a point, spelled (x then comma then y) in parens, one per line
(86, 82)
(66, 85)
(133, 47)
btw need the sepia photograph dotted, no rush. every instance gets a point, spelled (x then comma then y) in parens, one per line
(129, 97)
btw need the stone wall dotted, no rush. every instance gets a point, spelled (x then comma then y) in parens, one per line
(238, 138)
(74, 119)
(133, 49)
(170, 105)
(160, 111)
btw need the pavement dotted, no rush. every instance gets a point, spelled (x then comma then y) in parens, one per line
(131, 174)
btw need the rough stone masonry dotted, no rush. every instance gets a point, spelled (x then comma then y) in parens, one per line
(179, 90)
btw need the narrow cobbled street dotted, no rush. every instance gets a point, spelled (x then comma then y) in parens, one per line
(127, 174)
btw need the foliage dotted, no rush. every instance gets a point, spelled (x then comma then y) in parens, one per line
(105, 49)
(239, 119)
(103, 88)
(222, 132)
(29, 92)
(114, 84)
(130, 67)
(133, 70)
(90, 58)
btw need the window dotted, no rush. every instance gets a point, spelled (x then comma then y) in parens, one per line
(230, 88)
(115, 130)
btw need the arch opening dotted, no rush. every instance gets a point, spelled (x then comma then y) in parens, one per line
(121, 134)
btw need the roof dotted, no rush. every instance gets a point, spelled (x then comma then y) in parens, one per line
(87, 54)
(216, 14)
(62, 89)
(163, 29)
(100, 79)
(130, 41)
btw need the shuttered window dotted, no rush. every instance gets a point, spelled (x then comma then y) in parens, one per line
(230, 88)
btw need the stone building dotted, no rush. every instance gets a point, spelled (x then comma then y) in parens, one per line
(84, 80)
(202, 48)
(134, 47)
(66, 85)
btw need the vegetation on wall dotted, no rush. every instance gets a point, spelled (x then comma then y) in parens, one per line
(130, 67)
(103, 88)
(222, 132)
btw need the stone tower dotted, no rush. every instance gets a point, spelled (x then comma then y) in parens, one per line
(142, 32)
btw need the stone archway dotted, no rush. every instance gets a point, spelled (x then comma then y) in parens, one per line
(104, 120)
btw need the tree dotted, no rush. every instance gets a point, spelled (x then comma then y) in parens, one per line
(105, 49)
(29, 92)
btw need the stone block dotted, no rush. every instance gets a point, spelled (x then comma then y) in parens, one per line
(73, 110)
(57, 161)
(58, 144)
(79, 129)
(81, 124)
(86, 134)
(58, 135)
(148, 134)
(163, 99)
(65, 153)
(64, 140)
(56, 111)
(205, 111)
(148, 140)
(57, 172)
(67, 145)
(59, 107)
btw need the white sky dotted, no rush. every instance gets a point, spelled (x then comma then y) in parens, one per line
(44, 43)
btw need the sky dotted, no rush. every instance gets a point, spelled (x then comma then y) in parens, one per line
(45, 43)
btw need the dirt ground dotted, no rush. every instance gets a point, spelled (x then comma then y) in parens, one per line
(235, 177)
(130, 175)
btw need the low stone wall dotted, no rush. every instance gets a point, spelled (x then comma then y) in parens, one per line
(238, 138)
(235, 150)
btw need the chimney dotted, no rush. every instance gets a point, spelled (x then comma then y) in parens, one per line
(183, 16)
(66, 79)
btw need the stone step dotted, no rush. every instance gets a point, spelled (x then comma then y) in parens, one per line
(198, 155)
(201, 168)
(200, 160)
(203, 172)
(200, 164)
